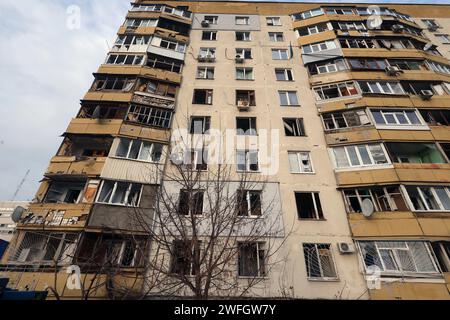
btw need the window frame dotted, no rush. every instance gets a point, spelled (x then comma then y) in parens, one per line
(328, 247)
(206, 70)
(287, 94)
(300, 164)
(287, 73)
(359, 157)
(114, 189)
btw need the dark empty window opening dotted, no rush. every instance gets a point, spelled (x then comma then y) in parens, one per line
(308, 205)
(245, 98)
(293, 127)
(190, 202)
(246, 126)
(404, 152)
(202, 96)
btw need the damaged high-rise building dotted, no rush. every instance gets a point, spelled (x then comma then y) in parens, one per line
(252, 149)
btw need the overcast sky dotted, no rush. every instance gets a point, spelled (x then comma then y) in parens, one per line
(46, 68)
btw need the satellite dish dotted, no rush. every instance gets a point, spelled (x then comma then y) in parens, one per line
(17, 214)
(427, 46)
(367, 208)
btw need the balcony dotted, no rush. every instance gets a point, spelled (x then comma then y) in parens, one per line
(90, 166)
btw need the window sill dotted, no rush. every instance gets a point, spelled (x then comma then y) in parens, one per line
(310, 173)
(135, 160)
(290, 105)
(253, 277)
(372, 167)
(117, 205)
(245, 79)
(323, 279)
(311, 219)
(204, 78)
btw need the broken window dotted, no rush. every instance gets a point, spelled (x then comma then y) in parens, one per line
(251, 259)
(111, 82)
(245, 53)
(164, 63)
(347, 119)
(280, 54)
(438, 67)
(249, 203)
(190, 202)
(384, 199)
(244, 73)
(442, 252)
(127, 41)
(418, 87)
(38, 247)
(360, 155)
(141, 22)
(169, 44)
(102, 111)
(184, 253)
(436, 117)
(367, 64)
(307, 14)
(200, 125)
(358, 43)
(314, 29)
(246, 126)
(446, 148)
(396, 117)
(119, 193)
(207, 53)
(348, 26)
(407, 64)
(85, 146)
(196, 159)
(294, 127)
(335, 91)
(150, 116)
(300, 162)
(202, 96)
(245, 98)
(414, 152)
(211, 19)
(125, 59)
(173, 25)
(319, 261)
(308, 205)
(157, 87)
(247, 160)
(242, 36)
(209, 35)
(399, 257)
(205, 73)
(65, 192)
(426, 198)
(139, 150)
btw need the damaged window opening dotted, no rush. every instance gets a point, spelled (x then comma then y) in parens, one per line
(276, 36)
(65, 192)
(300, 162)
(327, 67)
(190, 202)
(384, 199)
(249, 203)
(294, 127)
(119, 193)
(141, 22)
(176, 26)
(417, 87)
(150, 116)
(284, 75)
(414, 152)
(127, 41)
(442, 252)
(85, 146)
(196, 159)
(139, 150)
(318, 47)
(251, 259)
(160, 88)
(308, 205)
(110, 82)
(246, 126)
(336, 91)
(436, 117)
(164, 63)
(245, 98)
(102, 112)
(183, 255)
(242, 36)
(314, 29)
(205, 73)
(427, 198)
(402, 258)
(209, 35)
(245, 53)
(347, 119)
(203, 96)
(45, 248)
(125, 59)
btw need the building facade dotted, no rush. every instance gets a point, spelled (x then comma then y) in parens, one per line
(338, 115)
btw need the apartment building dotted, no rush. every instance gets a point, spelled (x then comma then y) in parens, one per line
(337, 116)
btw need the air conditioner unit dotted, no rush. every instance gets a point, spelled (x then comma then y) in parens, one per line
(205, 23)
(243, 105)
(206, 58)
(426, 94)
(392, 70)
(397, 28)
(239, 59)
(346, 247)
